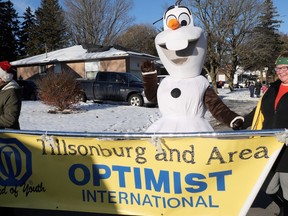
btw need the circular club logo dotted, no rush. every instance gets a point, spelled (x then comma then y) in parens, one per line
(15, 162)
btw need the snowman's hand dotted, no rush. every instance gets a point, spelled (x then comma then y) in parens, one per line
(237, 124)
(147, 66)
(150, 81)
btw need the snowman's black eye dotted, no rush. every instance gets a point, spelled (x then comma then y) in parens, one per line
(183, 23)
(184, 19)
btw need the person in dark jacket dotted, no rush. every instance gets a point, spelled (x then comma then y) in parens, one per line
(10, 98)
(274, 109)
(258, 86)
(251, 88)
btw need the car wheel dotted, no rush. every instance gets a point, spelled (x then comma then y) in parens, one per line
(135, 100)
(82, 97)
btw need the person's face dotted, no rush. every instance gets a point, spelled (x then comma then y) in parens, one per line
(282, 73)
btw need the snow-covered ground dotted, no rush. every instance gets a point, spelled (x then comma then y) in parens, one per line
(93, 117)
(241, 94)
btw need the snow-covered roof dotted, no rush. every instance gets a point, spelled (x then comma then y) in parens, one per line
(75, 53)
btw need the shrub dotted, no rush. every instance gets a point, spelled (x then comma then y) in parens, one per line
(60, 90)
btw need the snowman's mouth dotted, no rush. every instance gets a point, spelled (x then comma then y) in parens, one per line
(179, 57)
(179, 61)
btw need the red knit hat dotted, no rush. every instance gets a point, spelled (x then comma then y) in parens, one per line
(5, 71)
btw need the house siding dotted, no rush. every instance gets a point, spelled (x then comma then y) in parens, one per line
(25, 72)
(117, 65)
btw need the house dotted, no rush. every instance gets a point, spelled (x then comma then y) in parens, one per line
(82, 61)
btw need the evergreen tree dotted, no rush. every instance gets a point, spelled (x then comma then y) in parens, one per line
(49, 33)
(266, 43)
(9, 31)
(284, 40)
(26, 46)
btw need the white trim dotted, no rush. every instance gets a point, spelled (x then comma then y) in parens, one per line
(147, 73)
(6, 77)
(238, 117)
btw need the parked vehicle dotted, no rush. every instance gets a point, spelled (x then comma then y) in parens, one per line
(114, 86)
(243, 84)
(29, 89)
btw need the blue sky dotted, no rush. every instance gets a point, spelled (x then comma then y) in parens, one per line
(148, 11)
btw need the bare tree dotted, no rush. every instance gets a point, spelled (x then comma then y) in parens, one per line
(139, 38)
(227, 24)
(97, 22)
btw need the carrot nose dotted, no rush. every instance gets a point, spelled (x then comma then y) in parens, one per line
(173, 24)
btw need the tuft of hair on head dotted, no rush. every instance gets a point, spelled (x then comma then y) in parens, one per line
(178, 2)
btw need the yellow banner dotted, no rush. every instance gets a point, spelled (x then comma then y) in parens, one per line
(195, 176)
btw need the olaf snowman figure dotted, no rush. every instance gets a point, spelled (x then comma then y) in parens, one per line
(184, 96)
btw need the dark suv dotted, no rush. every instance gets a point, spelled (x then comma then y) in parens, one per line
(114, 86)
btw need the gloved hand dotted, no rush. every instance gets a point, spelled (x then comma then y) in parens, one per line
(147, 66)
(237, 124)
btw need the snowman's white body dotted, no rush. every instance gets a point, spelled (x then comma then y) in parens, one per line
(184, 113)
(182, 49)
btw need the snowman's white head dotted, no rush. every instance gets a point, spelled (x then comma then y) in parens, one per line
(181, 46)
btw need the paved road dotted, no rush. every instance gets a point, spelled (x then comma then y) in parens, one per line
(263, 206)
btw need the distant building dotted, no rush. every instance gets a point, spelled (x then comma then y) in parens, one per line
(82, 62)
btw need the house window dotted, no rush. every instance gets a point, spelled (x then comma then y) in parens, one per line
(91, 74)
(57, 68)
(42, 69)
(91, 68)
